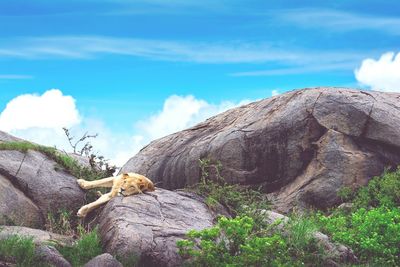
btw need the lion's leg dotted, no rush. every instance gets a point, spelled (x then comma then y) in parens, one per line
(106, 182)
(82, 212)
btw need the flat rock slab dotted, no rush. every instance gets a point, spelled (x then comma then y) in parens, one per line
(39, 237)
(300, 147)
(147, 226)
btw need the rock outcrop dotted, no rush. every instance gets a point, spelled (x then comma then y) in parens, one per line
(301, 147)
(33, 185)
(145, 227)
(38, 236)
(43, 241)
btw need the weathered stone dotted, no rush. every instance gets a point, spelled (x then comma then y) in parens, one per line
(5, 137)
(51, 256)
(39, 237)
(147, 226)
(300, 147)
(16, 208)
(33, 185)
(103, 260)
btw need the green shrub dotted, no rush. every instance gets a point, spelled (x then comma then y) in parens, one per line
(19, 250)
(232, 243)
(380, 191)
(237, 199)
(372, 228)
(85, 248)
(373, 234)
(303, 247)
(346, 194)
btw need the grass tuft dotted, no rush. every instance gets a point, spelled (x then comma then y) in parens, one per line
(85, 248)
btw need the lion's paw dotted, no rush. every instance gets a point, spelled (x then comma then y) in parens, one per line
(82, 212)
(82, 183)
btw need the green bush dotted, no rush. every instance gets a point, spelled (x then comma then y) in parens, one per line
(380, 191)
(19, 250)
(237, 199)
(372, 228)
(85, 248)
(373, 234)
(346, 194)
(232, 243)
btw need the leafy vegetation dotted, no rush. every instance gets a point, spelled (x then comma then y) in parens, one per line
(232, 243)
(247, 239)
(235, 198)
(380, 191)
(372, 228)
(18, 250)
(236, 242)
(85, 248)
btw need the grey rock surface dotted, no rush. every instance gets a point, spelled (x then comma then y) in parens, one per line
(33, 185)
(147, 226)
(16, 208)
(301, 147)
(103, 260)
(51, 256)
(5, 137)
(39, 236)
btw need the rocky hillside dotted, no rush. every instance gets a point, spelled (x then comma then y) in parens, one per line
(300, 147)
(34, 188)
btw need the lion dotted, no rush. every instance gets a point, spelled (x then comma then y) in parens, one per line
(125, 184)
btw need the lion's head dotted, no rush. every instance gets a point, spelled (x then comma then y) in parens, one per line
(135, 184)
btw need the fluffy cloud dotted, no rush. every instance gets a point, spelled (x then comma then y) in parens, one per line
(382, 74)
(275, 92)
(180, 112)
(52, 110)
(40, 119)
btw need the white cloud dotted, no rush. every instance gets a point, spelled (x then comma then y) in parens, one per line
(15, 77)
(382, 74)
(90, 47)
(50, 110)
(275, 92)
(180, 112)
(337, 20)
(40, 119)
(346, 65)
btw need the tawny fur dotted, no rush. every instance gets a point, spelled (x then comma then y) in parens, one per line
(125, 185)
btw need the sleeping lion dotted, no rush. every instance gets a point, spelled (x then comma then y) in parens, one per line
(124, 185)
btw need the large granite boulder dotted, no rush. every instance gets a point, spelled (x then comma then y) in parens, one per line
(144, 228)
(33, 185)
(300, 147)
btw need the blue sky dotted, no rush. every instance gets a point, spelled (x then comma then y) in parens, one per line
(123, 61)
